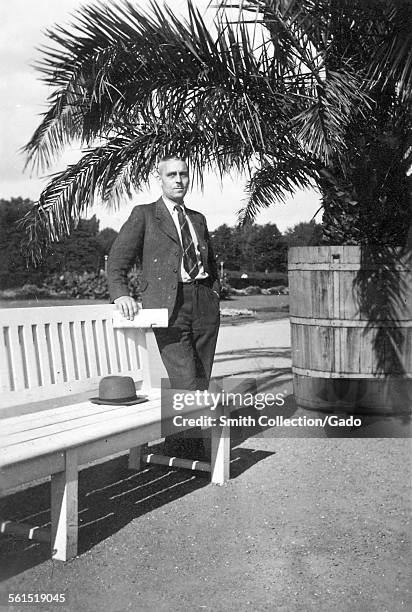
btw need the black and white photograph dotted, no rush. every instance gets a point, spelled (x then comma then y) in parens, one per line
(206, 305)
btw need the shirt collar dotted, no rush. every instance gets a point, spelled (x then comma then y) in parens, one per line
(170, 204)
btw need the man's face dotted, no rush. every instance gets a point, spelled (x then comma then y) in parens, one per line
(174, 178)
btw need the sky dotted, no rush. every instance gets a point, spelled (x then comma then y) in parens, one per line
(23, 97)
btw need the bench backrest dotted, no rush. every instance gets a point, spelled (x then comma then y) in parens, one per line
(48, 352)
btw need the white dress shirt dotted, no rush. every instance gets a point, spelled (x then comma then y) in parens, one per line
(183, 275)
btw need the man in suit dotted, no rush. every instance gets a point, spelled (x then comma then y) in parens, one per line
(179, 272)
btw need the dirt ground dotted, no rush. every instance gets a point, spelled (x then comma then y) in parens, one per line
(305, 524)
(312, 525)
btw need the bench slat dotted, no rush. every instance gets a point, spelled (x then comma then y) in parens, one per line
(112, 350)
(16, 353)
(101, 348)
(4, 361)
(68, 350)
(56, 352)
(133, 349)
(148, 382)
(90, 349)
(31, 360)
(45, 372)
(121, 343)
(79, 350)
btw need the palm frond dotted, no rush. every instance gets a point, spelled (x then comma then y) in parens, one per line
(60, 127)
(322, 127)
(273, 181)
(392, 61)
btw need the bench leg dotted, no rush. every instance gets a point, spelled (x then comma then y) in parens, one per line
(220, 459)
(64, 510)
(135, 455)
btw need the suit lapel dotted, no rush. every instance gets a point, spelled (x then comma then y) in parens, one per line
(165, 221)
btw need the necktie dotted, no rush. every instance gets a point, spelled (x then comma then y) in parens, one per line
(190, 262)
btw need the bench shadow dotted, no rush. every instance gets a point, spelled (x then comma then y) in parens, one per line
(110, 497)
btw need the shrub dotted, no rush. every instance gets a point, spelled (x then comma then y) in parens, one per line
(74, 285)
(279, 290)
(234, 291)
(253, 290)
(29, 291)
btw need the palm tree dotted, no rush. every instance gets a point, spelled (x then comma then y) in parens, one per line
(291, 92)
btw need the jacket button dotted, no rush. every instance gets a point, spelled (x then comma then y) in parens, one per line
(174, 269)
(173, 286)
(176, 253)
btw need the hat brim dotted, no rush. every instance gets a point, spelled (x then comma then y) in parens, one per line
(138, 400)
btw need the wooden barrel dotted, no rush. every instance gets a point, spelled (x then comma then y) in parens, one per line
(351, 329)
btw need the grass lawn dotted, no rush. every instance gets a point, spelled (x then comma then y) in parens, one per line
(260, 303)
(265, 307)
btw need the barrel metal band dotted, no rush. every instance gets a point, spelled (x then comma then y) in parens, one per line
(315, 322)
(333, 374)
(355, 267)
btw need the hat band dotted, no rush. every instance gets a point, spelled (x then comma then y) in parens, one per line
(118, 400)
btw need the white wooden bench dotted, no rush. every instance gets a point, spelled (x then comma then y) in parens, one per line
(51, 362)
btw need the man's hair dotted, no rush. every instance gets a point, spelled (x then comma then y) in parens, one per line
(167, 158)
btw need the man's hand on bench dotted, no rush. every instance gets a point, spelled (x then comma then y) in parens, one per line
(127, 306)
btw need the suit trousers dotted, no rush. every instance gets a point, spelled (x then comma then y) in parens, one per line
(187, 346)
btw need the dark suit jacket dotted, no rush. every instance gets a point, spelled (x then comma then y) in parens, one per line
(149, 237)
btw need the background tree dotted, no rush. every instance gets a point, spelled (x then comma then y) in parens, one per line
(226, 247)
(13, 268)
(81, 251)
(271, 249)
(105, 239)
(250, 248)
(304, 234)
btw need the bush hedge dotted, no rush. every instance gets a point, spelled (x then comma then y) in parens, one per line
(71, 285)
